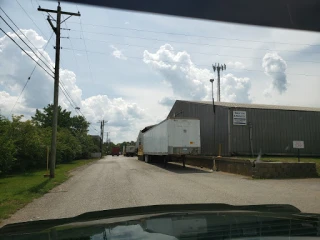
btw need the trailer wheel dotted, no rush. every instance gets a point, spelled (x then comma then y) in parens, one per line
(184, 161)
(165, 161)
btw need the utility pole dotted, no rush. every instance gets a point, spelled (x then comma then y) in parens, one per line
(219, 68)
(56, 80)
(101, 140)
(107, 142)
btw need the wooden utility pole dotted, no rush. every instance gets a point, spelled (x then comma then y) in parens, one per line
(56, 81)
(101, 137)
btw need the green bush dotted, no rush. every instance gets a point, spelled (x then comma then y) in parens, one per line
(7, 148)
(68, 146)
(23, 144)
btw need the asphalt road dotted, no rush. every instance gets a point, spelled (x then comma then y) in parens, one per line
(117, 182)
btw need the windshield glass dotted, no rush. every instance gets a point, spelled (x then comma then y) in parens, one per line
(104, 109)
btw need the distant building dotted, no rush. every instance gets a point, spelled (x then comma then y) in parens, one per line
(245, 128)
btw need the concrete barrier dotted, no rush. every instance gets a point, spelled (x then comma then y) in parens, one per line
(255, 169)
(237, 166)
(284, 170)
(200, 161)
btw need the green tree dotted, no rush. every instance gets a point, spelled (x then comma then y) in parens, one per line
(87, 145)
(79, 125)
(68, 146)
(43, 118)
(7, 148)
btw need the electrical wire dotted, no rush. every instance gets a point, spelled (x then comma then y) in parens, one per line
(25, 85)
(74, 54)
(31, 19)
(23, 34)
(64, 91)
(85, 46)
(26, 53)
(200, 53)
(192, 35)
(27, 45)
(191, 43)
(199, 65)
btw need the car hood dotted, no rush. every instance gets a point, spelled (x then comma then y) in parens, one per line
(172, 222)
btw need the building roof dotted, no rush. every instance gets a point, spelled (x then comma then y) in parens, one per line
(258, 106)
(147, 128)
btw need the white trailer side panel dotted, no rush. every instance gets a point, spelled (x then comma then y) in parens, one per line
(184, 137)
(155, 141)
(184, 133)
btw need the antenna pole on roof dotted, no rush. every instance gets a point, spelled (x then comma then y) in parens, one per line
(218, 67)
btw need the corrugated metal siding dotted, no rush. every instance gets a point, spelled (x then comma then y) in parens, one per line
(273, 130)
(221, 130)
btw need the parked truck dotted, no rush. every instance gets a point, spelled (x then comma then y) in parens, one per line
(130, 151)
(170, 140)
(115, 151)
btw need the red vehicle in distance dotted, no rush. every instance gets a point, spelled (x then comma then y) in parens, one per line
(115, 151)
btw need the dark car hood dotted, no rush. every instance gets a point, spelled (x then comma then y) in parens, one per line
(166, 222)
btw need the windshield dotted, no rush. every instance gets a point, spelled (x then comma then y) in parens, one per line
(105, 109)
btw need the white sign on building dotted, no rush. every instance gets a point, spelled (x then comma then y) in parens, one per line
(239, 118)
(298, 144)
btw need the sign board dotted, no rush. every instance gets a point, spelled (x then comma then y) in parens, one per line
(298, 144)
(239, 118)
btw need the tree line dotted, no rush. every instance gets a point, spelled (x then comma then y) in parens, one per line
(23, 144)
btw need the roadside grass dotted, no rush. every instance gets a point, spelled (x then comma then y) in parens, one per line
(292, 159)
(20, 189)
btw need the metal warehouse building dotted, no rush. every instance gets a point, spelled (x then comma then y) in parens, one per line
(245, 128)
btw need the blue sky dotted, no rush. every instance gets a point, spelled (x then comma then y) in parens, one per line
(128, 67)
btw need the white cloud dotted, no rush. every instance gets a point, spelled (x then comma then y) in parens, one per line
(235, 89)
(186, 80)
(167, 101)
(275, 67)
(118, 53)
(16, 67)
(190, 82)
(235, 65)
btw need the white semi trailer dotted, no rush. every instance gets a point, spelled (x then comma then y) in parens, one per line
(171, 140)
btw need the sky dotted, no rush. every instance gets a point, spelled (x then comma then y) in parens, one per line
(128, 68)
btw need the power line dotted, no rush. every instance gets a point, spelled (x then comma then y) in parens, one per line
(22, 33)
(200, 53)
(74, 54)
(75, 107)
(31, 19)
(85, 46)
(29, 77)
(26, 44)
(192, 35)
(71, 101)
(182, 42)
(199, 65)
(26, 52)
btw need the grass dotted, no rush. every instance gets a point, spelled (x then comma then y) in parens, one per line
(292, 159)
(20, 189)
